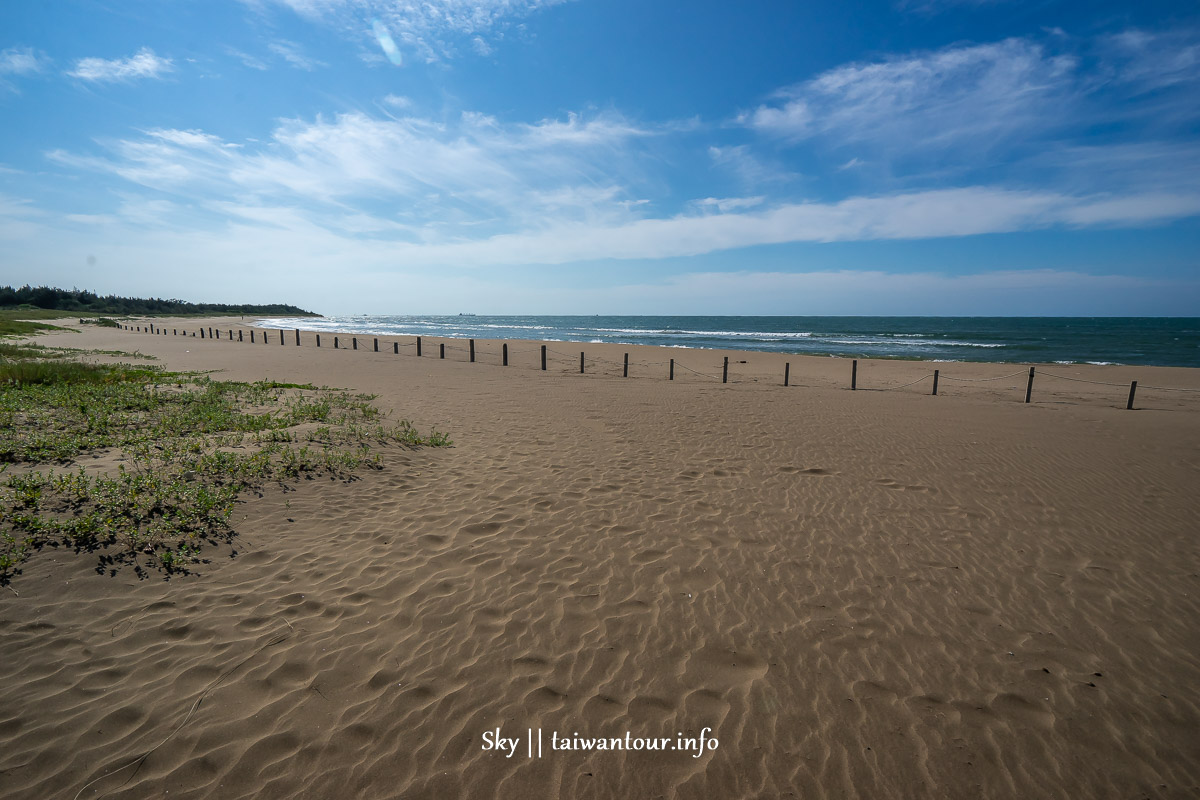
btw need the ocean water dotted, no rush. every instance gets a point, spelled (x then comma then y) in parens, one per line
(1158, 341)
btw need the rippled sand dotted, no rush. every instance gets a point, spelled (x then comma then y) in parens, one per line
(868, 594)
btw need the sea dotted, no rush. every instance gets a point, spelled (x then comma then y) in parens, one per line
(1153, 341)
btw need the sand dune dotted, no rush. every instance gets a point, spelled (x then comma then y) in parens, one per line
(868, 594)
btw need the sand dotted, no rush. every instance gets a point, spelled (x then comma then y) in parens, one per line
(865, 594)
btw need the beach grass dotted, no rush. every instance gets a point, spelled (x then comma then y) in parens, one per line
(179, 450)
(10, 326)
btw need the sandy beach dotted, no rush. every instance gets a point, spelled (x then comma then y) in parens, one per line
(872, 594)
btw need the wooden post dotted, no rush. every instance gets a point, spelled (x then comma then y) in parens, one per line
(354, 342)
(281, 337)
(441, 350)
(671, 374)
(725, 371)
(318, 340)
(240, 336)
(218, 336)
(543, 358)
(418, 347)
(580, 362)
(231, 336)
(395, 348)
(1029, 388)
(854, 375)
(251, 335)
(935, 380)
(787, 372)
(626, 373)
(472, 347)
(297, 337)
(505, 350)
(210, 333)
(174, 332)
(1132, 392)
(376, 344)
(335, 343)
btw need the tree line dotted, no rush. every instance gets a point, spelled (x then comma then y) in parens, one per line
(74, 300)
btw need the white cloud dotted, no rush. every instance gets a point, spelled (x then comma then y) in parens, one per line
(726, 204)
(960, 95)
(930, 214)
(143, 64)
(482, 193)
(397, 101)
(478, 174)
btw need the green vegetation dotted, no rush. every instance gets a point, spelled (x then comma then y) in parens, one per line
(77, 301)
(185, 447)
(11, 326)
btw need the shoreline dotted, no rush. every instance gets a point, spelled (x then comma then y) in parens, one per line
(1133, 341)
(1163, 388)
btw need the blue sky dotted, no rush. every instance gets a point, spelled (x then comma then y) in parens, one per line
(601, 156)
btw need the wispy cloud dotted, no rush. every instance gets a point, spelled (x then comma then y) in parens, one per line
(484, 194)
(476, 172)
(19, 62)
(294, 54)
(248, 60)
(1153, 59)
(951, 115)
(432, 30)
(934, 6)
(972, 94)
(143, 64)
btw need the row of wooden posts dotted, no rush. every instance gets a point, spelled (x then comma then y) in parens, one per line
(787, 367)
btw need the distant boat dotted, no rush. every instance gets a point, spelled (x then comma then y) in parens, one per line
(465, 315)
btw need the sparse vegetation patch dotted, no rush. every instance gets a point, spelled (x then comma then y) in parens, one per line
(181, 450)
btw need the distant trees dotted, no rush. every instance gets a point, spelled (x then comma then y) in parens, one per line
(82, 300)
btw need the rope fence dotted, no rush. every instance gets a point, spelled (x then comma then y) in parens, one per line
(604, 366)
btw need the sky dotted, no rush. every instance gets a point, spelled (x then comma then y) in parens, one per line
(927, 157)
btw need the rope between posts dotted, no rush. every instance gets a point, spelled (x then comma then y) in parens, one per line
(981, 380)
(701, 374)
(1167, 388)
(1081, 380)
(891, 388)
